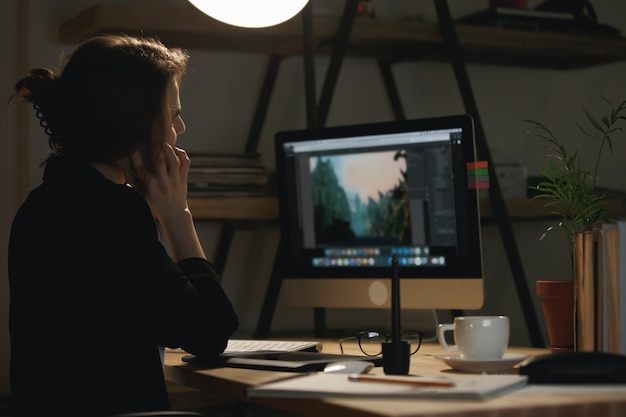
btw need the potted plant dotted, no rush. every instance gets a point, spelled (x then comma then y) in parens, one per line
(570, 190)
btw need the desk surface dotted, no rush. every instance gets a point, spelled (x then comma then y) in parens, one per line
(571, 401)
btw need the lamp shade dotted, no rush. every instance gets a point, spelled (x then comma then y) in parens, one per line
(250, 13)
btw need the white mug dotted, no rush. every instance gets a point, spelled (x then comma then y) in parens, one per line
(477, 337)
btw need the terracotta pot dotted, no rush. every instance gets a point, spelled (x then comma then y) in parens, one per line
(557, 301)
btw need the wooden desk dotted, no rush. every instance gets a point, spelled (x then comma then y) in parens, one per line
(570, 401)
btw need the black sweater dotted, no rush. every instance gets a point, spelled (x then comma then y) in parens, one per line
(93, 294)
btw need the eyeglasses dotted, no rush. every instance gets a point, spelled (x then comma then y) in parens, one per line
(370, 342)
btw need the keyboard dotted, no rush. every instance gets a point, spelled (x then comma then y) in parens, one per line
(257, 345)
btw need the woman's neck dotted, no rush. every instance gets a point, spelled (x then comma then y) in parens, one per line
(111, 172)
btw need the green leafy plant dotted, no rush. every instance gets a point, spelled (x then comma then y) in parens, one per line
(568, 188)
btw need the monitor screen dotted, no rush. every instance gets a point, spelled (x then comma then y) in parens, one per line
(350, 197)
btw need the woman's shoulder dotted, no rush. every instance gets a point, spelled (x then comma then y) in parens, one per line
(79, 184)
(125, 201)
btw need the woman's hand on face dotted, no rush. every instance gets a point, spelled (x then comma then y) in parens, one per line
(166, 194)
(166, 190)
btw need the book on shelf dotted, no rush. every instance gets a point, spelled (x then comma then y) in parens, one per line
(217, 191)
(226, 170)
(200, 179)
(585, 290)
(216, 159)
(525, 19)
(608, 289)
(539, 20)
(227, 175)
(619, 337)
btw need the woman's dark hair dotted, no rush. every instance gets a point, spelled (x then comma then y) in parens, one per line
(109, 100)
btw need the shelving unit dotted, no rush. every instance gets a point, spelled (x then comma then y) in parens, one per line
(374, 38)
(386, 41)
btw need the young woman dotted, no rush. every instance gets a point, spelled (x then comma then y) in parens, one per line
(94, 292)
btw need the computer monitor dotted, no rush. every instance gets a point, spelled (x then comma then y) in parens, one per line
(352, 196)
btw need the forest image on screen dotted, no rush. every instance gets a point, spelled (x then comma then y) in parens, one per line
(360, 198)
(362, 210)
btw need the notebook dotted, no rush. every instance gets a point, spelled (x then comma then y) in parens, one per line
(318, 385)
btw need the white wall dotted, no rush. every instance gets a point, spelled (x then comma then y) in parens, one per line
(219, 95)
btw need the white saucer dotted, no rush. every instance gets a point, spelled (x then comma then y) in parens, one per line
(479, 365)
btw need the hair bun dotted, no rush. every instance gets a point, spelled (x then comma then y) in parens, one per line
(39, 87)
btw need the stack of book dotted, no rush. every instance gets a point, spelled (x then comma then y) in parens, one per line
(226, 175)
(600, 288)
(541, 20)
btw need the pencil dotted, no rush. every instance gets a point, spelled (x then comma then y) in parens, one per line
(403, 381)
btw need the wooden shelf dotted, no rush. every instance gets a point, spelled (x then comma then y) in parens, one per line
(527, 209)
(234, 208)
(266, 208)
(392, 40)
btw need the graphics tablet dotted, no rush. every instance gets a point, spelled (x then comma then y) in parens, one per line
(282, 361)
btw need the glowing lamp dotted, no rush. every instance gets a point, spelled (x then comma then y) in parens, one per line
(250, 13)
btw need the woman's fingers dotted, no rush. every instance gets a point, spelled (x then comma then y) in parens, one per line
(170, 160)
(177, 161)
(166, 188)
(184, 162)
